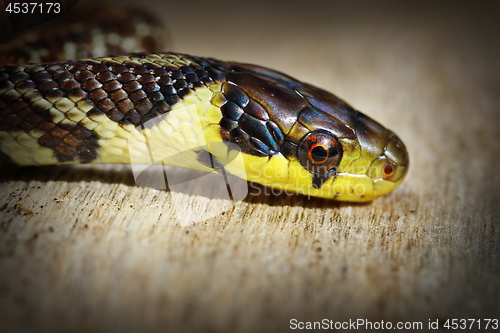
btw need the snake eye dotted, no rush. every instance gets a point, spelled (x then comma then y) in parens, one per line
(319, 152)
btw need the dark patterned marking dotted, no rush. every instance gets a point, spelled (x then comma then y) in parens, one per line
(71, 143)
(228, 125)
(235, 94)
(289, 150)
(318, 179)
(246, 114)
(231, 111)
(282, 103)
(69, 84)
(258, 130)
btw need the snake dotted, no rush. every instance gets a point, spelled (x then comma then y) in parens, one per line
(64, 99)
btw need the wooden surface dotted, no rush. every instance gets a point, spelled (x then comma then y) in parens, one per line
(85, 249)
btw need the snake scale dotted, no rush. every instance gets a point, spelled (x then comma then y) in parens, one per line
(147, 106)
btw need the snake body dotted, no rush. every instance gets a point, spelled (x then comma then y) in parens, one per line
(193, 112)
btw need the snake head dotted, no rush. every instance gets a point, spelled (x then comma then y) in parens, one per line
(297, 137)
(374, 161)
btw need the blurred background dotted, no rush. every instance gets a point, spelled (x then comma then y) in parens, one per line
(430, 71)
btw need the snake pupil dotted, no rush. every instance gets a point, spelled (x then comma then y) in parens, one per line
(319, 154)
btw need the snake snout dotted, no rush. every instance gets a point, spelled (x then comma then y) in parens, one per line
(397, 160)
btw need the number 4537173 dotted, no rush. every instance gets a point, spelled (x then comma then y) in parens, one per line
(455, 324)
(33, 7)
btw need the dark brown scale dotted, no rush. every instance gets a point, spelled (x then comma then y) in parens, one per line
(115, 96)
(65, 152)
(49, 141)
(115, 115)
(20, 77)
(8, 98)
(25, 85)
(176, 74)
(140, 70)
(76, 67)
(62, 76)
(12, 120)
(45, 126)
(168, 90)
(117, 69)
(38, 77)
(133, 117)
(126, 77)
(235, 94)
(98, 68)
(231, 111)
(276, 133)
(99, 94)
(70, 84)
(84, 75)
(105, 76)
(158, 97)
(31, 70)
(76, 93)
(126, 105)
(150, 87)
(26, 126)
(17, 105)
(256, 110)
(132, 86)
(94, 112)
(314, 119)
(71, 140)
(289, 150)
(59, 133)
(193, 80)
(111, 86)
(258, 129)
(186, 69)
(54, 93)
(180, 85)
(105, 105)
(53, 68)
(143, 106)
(147, 78)
(172, 99)
(33, 119)
(228, 125)
(136, 95)
(90, 85)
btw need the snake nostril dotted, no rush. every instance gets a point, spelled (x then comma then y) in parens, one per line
(388, 171)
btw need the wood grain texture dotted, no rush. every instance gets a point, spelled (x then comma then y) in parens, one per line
(85, 249)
